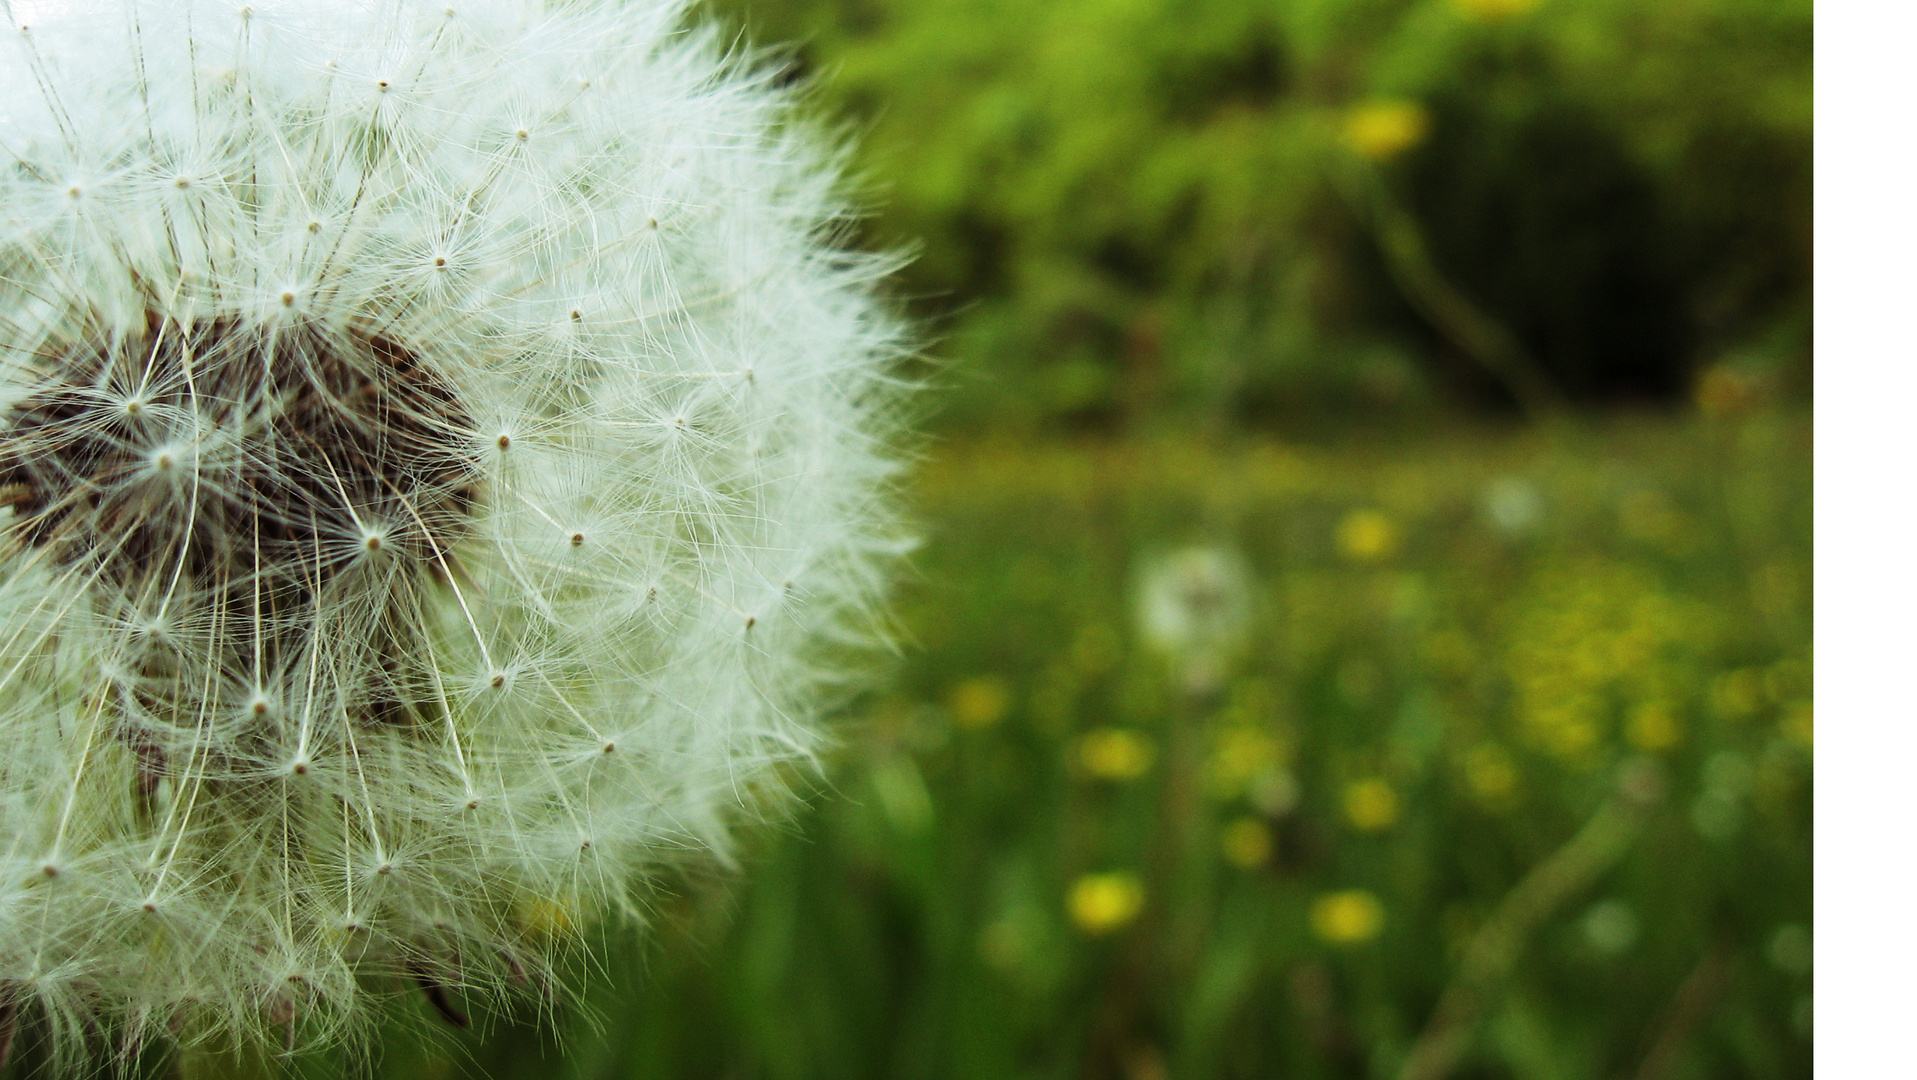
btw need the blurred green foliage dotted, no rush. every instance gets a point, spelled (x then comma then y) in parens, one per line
(1130, 212)
(1508, 745)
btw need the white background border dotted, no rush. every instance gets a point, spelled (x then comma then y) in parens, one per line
(1866, 537)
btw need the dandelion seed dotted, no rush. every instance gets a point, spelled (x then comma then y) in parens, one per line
(342, 550)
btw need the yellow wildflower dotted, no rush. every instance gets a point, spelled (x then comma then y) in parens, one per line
(1115, 754)
(1350, 917)
(1653, 726)
(1367, 536)
(1247, 843)
(1371, 805)
(1101, 903)
(979, 702)
(1382, 129)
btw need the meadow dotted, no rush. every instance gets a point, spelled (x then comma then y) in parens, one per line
(1482, 754)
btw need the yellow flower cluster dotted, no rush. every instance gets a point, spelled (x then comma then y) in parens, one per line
(1599, 641)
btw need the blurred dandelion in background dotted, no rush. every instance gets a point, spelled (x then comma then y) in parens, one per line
(1194, 607)
(1513, 505)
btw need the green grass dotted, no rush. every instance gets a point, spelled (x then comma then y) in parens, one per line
(1519, 721)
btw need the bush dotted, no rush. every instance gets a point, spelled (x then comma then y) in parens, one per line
(1172, 209)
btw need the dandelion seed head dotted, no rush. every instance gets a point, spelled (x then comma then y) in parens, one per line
(441, 462)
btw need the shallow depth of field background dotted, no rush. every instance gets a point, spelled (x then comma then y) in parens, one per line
(1363, 625)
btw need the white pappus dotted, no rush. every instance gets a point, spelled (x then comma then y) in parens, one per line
(442, 451)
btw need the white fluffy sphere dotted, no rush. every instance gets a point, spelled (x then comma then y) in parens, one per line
(441, 448)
